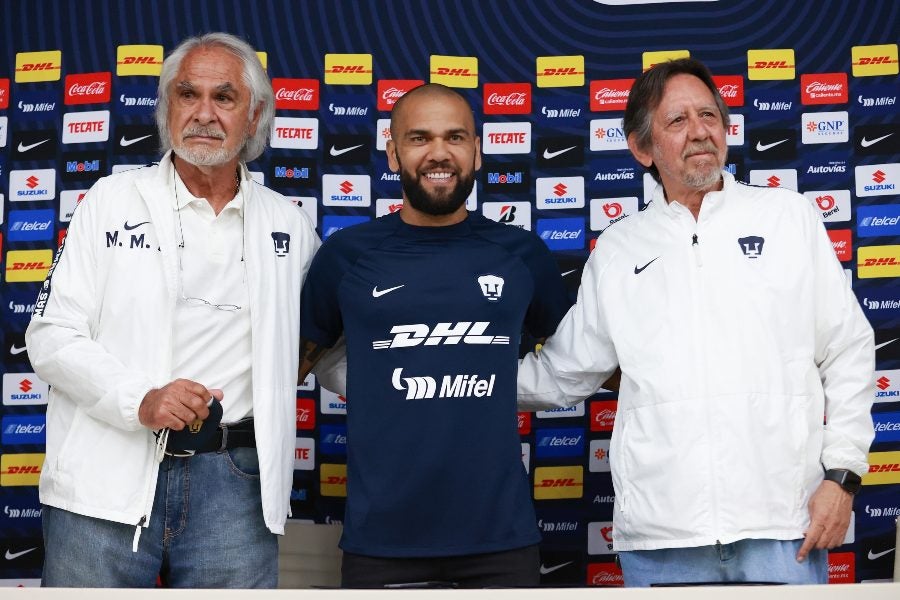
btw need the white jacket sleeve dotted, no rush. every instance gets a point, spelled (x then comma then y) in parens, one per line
(60, 339)
(575, 361)
(845, 356)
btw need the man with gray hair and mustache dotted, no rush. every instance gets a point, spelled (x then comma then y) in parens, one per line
(737, 334)
(168, 329)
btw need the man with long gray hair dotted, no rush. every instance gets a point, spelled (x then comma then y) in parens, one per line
(168, 330)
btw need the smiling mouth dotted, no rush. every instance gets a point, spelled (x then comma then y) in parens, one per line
(438, 177)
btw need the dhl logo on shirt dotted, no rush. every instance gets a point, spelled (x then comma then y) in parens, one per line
(28, 265)
(874, 60)
(348, 69)
(884, 467)
(20, 469)
(553, 483)
(878, 261)
(560, 71)
(263, 59)
(654, 58)
(454, 71)
(38, 66)
(139, 60)
(771, 64)
(333, 480)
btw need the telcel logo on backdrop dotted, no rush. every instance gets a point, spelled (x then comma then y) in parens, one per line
(887, 427)
(562, 234)
(333, 439)
(559, 442)
(881, 219)
(23, 429)
(30, 225)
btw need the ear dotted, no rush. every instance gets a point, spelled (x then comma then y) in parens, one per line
(477, 153)
(254, 120)
(392, 157)
(642, 156)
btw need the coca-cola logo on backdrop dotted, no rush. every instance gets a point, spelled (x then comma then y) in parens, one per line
(507, 98)
(88, 88)
(296, 94)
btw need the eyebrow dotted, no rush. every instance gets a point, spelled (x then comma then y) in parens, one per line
(458, 130)
(224, 87)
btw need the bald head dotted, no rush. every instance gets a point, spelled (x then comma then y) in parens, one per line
(431, 91)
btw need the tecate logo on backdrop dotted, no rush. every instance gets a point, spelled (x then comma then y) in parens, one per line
(346, 190)
(734, 133)
(300, 133)
(877, 180)
(24, 389)
(876, 220)
(32, 184)
(88, 88)
(305, 454)
(606, 211)
(832, 205)
(506, 138)
(559, 192)
(607, 134)
(825, 127)
(517, 214)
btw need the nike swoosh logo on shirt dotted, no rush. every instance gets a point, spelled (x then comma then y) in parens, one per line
(866, 143)
(876, 555)
(24, 148)
(130, 227)
(883, 344)
(376, 293)
(760, 147)
(554, 154)
(337, 152)
(14, 350)
(14, 555)
(126, 142)
(546, 570)
(638, 270)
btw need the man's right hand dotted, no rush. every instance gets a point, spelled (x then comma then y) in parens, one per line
(176, 405)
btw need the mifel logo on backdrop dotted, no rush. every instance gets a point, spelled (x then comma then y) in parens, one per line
(454, 71)
(38, 66)
(871, 60)
(139, 60)
(771, 64)
(654, 58)
(560, 71)
(348, 69)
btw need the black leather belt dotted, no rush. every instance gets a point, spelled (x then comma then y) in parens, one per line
(227, 437)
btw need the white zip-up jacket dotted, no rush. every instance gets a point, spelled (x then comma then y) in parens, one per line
(736, 334)
(102, 331)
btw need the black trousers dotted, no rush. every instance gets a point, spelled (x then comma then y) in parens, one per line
(507, 569)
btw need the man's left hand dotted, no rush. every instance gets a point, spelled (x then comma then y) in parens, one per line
(829, 517)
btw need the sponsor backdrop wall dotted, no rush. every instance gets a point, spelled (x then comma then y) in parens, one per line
(813, 87)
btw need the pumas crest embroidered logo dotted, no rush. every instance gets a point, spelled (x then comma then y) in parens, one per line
(751, 246)
(282, 243)
(491, 286)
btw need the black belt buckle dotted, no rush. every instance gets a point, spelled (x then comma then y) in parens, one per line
(197, 436)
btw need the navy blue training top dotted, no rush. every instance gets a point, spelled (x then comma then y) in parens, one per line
(432, 318)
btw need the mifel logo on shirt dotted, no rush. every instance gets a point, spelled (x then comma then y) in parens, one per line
(771, 64)
(878, 261)
(551, 483)
(873, 60)
(560, 71)
(884, 467)
(28, 265)
(348, 69)
(454, 71)
(654, 58)
(139, 60)
(20, 469)
(333, 480)
(38, 66)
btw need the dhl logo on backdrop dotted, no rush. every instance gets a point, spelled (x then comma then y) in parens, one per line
(454, 71)
(263, 59)
(560, 71)
(333, 480)
(874, 60)
(20, 469)
(884, 467)
(878, 261)
(654, 58)
(28, 265)
(348, 69)
(139, 60)
(38, 66)
(552, 483)
(771, 64)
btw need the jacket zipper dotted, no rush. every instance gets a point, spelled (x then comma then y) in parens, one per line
(158, 454)
(695, 244)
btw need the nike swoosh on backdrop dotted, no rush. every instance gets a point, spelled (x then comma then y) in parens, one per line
(883, 344)
(376, 293)
(337, 152)
(554, 154)
(14, 350)
(760, 147)
(876, 555)
(638, 270)
(14, 555)
(126, 142)
(547, 570)
(24, 148)
(130, 227)
(866, 143)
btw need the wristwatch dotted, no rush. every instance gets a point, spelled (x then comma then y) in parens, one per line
(848, 480)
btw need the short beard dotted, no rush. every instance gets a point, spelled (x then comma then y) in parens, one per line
(203, 157)
(436, 205)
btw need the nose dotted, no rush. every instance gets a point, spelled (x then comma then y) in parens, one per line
(204, 110)
(438, 150)
(696, 128)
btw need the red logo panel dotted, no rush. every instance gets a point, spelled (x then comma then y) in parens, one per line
(603, 415)
(823, 88)
(507, 98)
(391, 90)
(296, 94)
(88, 88)
(610, 94)
(731, 88)
(842, 242)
